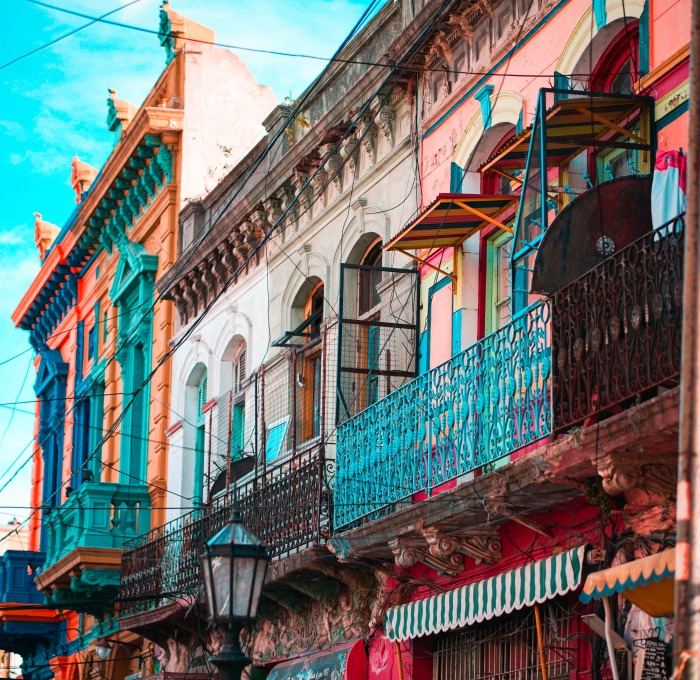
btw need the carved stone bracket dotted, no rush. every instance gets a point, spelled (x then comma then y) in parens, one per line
(407, 554)
(368, 135)
(334, 164)
(350, 152)
(481, 548)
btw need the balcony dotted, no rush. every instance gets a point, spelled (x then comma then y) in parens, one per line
(287, 507)
(24, 631)
(84, 538)
(613, 335)
(616, 333)
(17, 571)
(479, 406)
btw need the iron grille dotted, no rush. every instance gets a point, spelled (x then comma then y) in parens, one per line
(507, 649)
(377, 336)
(616, 331)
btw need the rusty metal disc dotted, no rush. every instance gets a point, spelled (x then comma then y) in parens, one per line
(594, 226)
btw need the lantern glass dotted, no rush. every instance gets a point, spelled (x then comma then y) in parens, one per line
(234, 567)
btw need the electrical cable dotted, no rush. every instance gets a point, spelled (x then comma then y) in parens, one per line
(93, 20)
(328, 60)
(203, 233)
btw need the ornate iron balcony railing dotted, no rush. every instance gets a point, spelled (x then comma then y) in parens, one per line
(287, 507)
(479, 406)
(616, 331)
(97, 515)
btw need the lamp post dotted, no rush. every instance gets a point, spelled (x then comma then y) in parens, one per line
(234, 566)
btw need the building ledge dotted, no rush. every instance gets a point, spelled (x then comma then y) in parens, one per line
(84, 580)
(626, 451)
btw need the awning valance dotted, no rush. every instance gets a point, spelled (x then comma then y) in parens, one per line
(450, 220)
(523, 587)
(647, 582)
(572, 124)
(345, 662)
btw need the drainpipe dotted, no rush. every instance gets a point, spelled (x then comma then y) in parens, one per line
(687, 606)
(608, 638)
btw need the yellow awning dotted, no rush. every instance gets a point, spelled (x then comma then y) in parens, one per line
(647, 582)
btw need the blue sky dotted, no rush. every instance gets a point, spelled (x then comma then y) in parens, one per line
(54, 107)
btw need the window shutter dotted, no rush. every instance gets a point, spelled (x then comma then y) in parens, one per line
(222, 433)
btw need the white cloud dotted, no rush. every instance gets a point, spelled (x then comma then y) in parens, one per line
(15, 236)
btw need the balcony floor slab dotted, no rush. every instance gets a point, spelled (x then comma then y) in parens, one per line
(546, 476)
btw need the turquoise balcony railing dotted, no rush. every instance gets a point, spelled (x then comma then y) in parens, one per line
(479, 406)
(97, 515)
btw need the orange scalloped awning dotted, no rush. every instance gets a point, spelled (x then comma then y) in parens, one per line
(647, 582)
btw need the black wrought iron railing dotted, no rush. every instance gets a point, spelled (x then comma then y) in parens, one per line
(287, 507)
(616, 331)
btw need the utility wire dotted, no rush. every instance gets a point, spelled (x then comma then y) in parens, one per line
(92, 21)
(296, 55)
(203, 233)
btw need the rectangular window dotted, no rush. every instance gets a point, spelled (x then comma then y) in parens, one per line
(238, 430)
(373, 349)
(498, 282)
(507, 648)
(440, 322)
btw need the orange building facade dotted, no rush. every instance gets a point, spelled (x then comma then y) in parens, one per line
(102, 337)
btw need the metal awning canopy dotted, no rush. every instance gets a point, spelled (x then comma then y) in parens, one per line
(647, 582)
(449, 221)
(496, 596)
(571, 125)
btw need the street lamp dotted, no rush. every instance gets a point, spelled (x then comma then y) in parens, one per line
(234, 566)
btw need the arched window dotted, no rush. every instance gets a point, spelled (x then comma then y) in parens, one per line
(200, 437)
(313, 311)
(618, 67)
(309, 367)
(369, 279)
(233, 382)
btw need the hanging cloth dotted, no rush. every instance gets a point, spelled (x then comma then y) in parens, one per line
(668, 187)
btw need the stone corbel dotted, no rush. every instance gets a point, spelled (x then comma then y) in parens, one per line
(441, 48)
(335, 164)
(486, 7)
(180, 303)
(273, 210)
(350, 151)
(368, 135)
(481, 548)
(463, 27)
(241, 247)
(407, 555)
(618, 478)
(199, 286)
(259, 221)
(319, 183)
(304, 193)
(219, 271)
(386, 122)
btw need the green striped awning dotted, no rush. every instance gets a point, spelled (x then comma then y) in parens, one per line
(495, 596)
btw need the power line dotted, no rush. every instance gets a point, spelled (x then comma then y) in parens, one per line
(295, 55)
(203, 233)
(92, 21)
